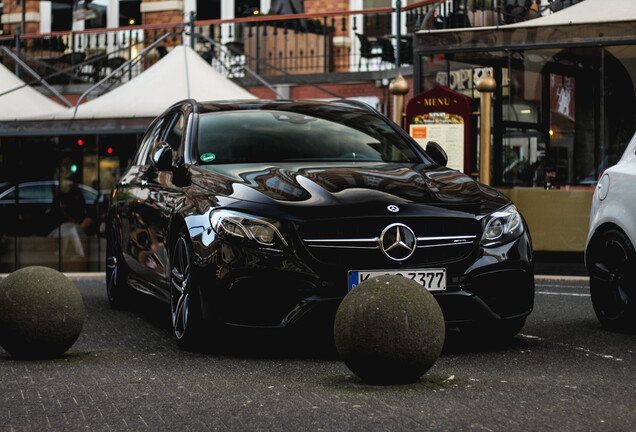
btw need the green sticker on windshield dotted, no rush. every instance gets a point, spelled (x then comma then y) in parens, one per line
(208, 157)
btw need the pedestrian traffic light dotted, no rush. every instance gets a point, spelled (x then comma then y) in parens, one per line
(80, 142)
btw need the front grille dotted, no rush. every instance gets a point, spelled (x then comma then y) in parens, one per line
(355, 243)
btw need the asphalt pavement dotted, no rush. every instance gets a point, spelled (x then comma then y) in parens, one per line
(125, 372)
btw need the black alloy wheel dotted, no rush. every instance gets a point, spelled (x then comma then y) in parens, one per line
(116, 270)
(612, 267)
(184, 303)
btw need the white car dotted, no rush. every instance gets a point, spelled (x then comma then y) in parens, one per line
(610, 256)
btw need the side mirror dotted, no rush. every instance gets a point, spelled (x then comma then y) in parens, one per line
(162, 156)
(437, 153)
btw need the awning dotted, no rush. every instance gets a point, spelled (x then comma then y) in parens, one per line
(588, 23)
(32, 128)
(129, 108)
(586, 12)
(181, 74)
(19, 101)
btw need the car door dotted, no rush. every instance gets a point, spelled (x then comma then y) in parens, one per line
(133, 189)
(159, 195)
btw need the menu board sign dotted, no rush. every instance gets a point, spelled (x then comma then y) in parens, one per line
(442, 115)
(445, 129)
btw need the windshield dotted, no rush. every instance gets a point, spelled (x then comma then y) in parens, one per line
(264, 136)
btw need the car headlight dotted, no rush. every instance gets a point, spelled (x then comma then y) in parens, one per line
(502, 227)
(263, 231)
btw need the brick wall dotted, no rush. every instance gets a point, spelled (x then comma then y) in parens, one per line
(12, 8)
(315, 6)
(164, 16)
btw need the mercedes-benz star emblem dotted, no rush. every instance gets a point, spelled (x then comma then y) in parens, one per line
(393, 208)
(398, 241)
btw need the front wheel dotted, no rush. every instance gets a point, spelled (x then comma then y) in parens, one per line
(612, 266)
(185, 307)
(116, 270)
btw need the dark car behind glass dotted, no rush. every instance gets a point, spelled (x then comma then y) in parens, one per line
(266, 213)
(39, 207)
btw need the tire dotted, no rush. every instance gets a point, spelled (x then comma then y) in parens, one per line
(185, 305)
(117, 288)
(612, 266)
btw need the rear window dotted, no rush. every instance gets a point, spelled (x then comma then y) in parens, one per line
(263, 136)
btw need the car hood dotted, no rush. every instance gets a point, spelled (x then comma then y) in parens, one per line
(341, 184)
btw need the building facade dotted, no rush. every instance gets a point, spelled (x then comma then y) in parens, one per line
(55, 183)
(564, 107)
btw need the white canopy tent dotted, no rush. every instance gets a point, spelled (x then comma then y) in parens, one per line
(19, 101)
(585, 12)
(181, 74)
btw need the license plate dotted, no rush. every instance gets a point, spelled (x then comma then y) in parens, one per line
(431, 279)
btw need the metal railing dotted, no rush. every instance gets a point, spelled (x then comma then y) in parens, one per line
(315, 43)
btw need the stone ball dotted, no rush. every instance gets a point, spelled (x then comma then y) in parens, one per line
(389, 330)
(41, 313)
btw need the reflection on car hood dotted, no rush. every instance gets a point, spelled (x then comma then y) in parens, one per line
(348, 184)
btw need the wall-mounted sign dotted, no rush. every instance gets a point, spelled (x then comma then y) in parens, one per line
(465, 80)
(562, 95)
(442, 115)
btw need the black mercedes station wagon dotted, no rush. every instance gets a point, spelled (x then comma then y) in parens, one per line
(267, 213)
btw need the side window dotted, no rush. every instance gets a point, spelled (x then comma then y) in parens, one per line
(175, 131)
(149, 138)
(168, 128)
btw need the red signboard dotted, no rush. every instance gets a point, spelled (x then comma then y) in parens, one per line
(442, 115)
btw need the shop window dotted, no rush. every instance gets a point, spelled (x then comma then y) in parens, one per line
(462, 72)
(97, 16)
(562, 127)
(53, 198)
(619, 103)
(208, 9)
(522, 96)
(61, 16)
(522, 89)
(572, 88)
(433, 71)
(129, 12)
(246, 8)
(524, 154)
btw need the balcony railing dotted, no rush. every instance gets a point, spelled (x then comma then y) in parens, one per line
(317, 43)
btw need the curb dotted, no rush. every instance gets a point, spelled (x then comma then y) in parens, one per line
(102, 276)
(75, 276)
(564, 278)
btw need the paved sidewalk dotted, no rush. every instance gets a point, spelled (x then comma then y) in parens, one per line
(126, 373)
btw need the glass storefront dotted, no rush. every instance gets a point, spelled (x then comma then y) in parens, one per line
(560, 116)
(563, 111)
(54, 192)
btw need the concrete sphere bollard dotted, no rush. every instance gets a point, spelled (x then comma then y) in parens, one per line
(41, 313)
(389, 330)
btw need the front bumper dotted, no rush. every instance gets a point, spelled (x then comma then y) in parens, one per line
(246, 287)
